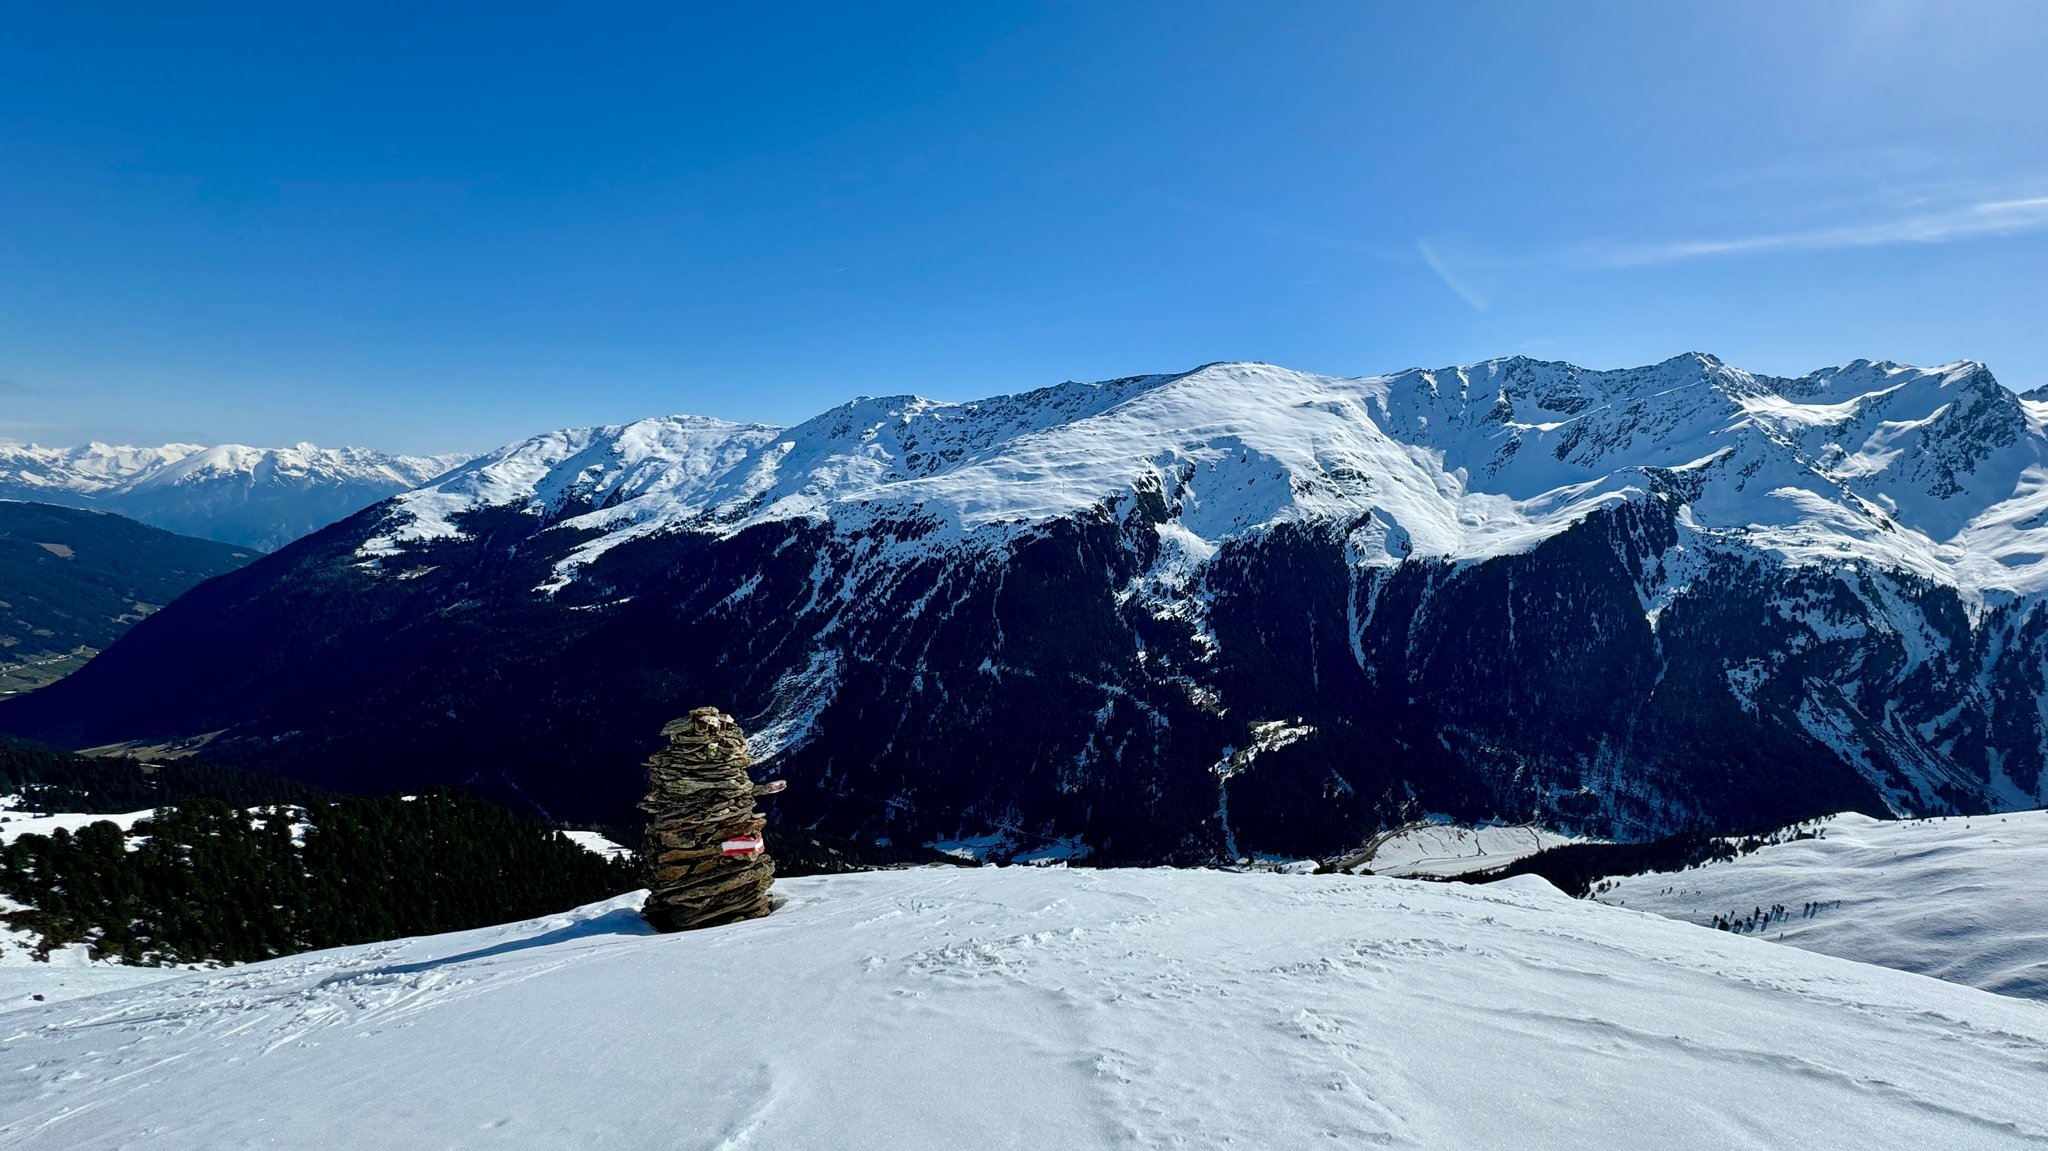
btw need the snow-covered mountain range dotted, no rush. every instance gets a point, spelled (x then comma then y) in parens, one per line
(1032, 1007)
(1235, 610)
(1935, 471)
(258, 497)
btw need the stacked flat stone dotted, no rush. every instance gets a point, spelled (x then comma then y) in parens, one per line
(699, 797)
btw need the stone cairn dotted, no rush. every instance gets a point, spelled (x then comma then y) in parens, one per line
(706, 859)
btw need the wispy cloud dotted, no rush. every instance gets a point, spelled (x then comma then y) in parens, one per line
(1457, 286)
(1970, 221)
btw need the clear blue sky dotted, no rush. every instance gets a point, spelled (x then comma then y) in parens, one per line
(447, 229)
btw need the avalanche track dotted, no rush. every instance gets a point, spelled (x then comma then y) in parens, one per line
(1046, 1008)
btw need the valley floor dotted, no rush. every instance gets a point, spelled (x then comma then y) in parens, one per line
(29, 674)
(1027, 1007)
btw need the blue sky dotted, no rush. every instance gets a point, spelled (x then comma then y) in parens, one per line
(446, 229)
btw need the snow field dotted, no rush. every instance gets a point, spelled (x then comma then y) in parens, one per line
(1443, 850)
(69, 973)
(596, 844)
(1046, 1007)
(14, 823)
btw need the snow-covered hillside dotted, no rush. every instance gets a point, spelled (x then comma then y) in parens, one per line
(1035, 1008)
(262, 497)
(1957, 898)
(1438, 850)
(67, 972)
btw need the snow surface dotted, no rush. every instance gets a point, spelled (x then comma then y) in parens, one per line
(1960, 898)
(1046, 1007)
(69, 973)
(1942, 472)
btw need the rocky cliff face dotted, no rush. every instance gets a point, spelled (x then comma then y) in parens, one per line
(1233, 611)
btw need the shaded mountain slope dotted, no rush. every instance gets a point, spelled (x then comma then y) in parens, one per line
(72, 582)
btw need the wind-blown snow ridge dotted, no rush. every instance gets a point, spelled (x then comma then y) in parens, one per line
(1041, 1007)
(1942, 472)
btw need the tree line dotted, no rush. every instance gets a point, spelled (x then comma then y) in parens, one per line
(233, 866)
(1575, 868)
(203, 881)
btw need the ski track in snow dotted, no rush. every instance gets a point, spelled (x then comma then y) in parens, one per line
(1043, 1007)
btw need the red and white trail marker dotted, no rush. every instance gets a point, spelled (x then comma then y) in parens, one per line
(744, 845)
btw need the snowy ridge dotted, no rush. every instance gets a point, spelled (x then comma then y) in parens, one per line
(1939, 472)
(1042, 1007)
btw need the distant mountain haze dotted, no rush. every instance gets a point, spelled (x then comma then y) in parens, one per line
(1182, 617)
(259, 497)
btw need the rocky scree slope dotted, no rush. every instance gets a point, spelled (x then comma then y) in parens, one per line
(257, 497)
(1237, 610)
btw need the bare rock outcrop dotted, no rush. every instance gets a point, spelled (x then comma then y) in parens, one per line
(706, 859)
